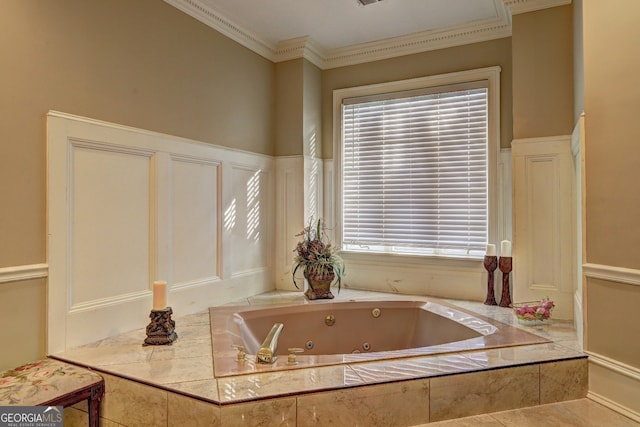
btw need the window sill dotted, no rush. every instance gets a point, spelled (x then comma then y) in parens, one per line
(391, 259)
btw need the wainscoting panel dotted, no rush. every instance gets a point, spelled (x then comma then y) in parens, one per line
(243, 219)
(289, 214)
(128, 206)
(313, 172)
(544, 222)
(194, 225)
(110, 223)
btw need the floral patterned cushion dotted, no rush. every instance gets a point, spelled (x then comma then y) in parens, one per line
(43, 381)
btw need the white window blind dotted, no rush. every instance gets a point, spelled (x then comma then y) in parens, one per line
(414, 171)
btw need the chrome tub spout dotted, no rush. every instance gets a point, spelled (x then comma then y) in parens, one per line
(267, 352)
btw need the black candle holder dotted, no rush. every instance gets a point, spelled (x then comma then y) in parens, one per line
(505, 265)
(161, 329)
(490, 264)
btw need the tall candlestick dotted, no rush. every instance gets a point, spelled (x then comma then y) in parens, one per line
(505, 248)
(159, 295)
(505, 265)
(490, 263)
(491, 250)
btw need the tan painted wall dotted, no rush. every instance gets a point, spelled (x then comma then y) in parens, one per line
(611, 97)
(578, 61)
(613, 307)
(141, 63)
(543, 73)
(477, 55)
(312, 116)
(289, 107)
(23, 317)
(298, 111)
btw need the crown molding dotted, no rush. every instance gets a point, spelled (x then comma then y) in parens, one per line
(304, 47)
(301, 47)
(419, 42)
(215, 20)
(523, 6)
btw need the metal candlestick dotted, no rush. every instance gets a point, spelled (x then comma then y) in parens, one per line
(505, 266)
(490, 264)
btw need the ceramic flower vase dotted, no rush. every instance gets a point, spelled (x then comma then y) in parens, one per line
(319, 287)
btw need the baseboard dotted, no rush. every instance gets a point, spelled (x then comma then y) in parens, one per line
(614, 406)
(615, 385)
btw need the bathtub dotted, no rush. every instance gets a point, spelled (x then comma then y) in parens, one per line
(345, 332)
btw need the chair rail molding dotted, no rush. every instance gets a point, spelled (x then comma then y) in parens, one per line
(23, 272)
(629, 276)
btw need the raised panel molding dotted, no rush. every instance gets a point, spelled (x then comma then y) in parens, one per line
(329, 205)
(289, 214)
(248, 236)
(108, 209)
(313, 179)
(577, 150)
(195, 220)
(150, 207)
(544, 222)
(504, 195)
(300, 190)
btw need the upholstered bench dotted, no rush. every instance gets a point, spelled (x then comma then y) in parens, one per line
(50, 382)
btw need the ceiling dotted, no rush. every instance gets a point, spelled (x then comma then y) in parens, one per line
(333, 33)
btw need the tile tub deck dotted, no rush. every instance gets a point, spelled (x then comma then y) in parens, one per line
(169, 383)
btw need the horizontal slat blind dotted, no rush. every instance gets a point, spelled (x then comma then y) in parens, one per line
(415, 173)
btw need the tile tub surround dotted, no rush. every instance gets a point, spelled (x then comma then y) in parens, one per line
(184, 370)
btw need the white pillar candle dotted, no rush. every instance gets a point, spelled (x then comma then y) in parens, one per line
(491, 250)
(505, 248)
(159, 295)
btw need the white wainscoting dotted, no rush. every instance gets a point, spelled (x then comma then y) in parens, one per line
(289, 215)
(128, 206)
(577, 150)
(544, 222)
(300, 196)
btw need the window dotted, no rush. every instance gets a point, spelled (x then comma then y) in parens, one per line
(416, 160)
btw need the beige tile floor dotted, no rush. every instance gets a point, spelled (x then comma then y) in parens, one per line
(574, 413)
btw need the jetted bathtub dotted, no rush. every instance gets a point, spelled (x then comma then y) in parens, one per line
(352, 331)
